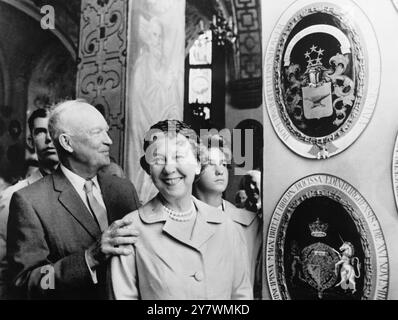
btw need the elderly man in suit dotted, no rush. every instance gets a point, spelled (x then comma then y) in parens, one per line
(63, 228)
(39, 140)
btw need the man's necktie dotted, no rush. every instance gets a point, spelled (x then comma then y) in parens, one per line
(98, 211)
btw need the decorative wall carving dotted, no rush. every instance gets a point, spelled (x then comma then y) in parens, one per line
(351, 219)
(249, 42)
(324, 72)
(102, 64)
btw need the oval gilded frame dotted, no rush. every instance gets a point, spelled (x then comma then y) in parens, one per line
(376, 278)
(365, 56)
(395, 3)
(395, 171)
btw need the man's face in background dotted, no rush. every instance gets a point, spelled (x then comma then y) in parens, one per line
(42, 143)
(253, 186)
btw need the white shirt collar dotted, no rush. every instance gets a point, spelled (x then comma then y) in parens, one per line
(76, 180)
(222, 205)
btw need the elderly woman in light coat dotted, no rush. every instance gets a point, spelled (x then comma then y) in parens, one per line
(215, 158)
(186, 248)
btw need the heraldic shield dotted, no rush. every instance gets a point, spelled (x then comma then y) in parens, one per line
(319, 262)
(317, 101)
(319, 79)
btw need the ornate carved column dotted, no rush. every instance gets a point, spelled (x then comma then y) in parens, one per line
(102, 63)
(246, 89)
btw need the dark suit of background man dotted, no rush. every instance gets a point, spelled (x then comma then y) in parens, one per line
(58, 235)
(39, 140)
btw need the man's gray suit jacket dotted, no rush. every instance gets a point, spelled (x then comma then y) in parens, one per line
(50, 227)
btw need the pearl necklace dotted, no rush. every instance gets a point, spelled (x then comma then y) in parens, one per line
(179, 216)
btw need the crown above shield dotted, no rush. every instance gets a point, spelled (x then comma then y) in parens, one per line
(318, 228)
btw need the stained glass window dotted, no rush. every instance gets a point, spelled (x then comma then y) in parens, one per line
(200, 85)
(200, 53)
(200, 79)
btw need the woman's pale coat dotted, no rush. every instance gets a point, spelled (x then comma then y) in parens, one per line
(212, 264)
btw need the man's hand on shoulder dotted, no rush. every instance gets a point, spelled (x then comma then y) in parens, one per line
(117, 239)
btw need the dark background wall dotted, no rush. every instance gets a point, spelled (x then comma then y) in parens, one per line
(26, 50)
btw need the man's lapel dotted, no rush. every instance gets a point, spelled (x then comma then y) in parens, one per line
(72, 202)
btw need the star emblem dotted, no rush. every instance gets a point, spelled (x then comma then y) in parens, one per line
(313, 56)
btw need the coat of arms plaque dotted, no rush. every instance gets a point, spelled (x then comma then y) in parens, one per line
(322, 76)
(321, 244)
